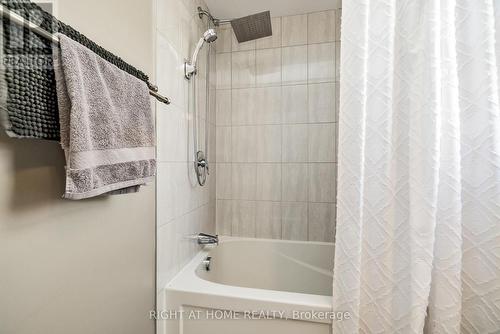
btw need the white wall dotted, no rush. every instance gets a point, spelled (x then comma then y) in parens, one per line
(184, 208)
(77, 267)
(276, 130)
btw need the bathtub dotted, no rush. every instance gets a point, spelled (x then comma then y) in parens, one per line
(253, 286)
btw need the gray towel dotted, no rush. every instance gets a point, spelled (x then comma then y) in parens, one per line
(107, 127)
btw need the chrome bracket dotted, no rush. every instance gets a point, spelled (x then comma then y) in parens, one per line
(189, 70)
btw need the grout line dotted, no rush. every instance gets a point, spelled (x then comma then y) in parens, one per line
(281, 142)
(274, 163)
(265, 201)
(272, 124)
(291, 84)
(231, 210)
(282, 47)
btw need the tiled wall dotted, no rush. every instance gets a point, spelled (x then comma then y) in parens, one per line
(183, 207)
(276, 130)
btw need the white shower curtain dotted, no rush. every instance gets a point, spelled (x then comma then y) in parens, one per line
(418, 227)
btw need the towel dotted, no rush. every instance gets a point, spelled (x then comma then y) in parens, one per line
(106, 121)
(28, 103)
(28, 98)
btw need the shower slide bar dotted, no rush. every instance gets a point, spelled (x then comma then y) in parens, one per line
(18, 19)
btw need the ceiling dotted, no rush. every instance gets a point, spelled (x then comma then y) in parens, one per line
(225, 9)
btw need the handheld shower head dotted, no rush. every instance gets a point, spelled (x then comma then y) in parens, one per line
(209, 36)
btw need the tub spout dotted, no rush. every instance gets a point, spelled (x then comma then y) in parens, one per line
(207, 239)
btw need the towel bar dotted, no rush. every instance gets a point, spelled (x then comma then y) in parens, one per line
(18, 19)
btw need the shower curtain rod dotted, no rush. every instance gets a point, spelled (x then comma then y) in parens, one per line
(18, 19)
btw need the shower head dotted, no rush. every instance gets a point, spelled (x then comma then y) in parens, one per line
(245, 28)
(209, 36)
(252, 27)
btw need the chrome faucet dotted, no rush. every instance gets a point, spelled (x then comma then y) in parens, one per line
(207, 239)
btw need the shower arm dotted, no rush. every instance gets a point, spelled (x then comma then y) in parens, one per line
(218, 22)
(214, 20)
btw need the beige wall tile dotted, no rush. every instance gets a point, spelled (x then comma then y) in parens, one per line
(338, 24)
(243, 69)
(268, 105)
(294, 218)
(283, 112)
(322, 142)
(244, 218)
(337, 104)
(224, 147)
(322, 102)
(268, 143)
(268, 220)
(268, 182)
(224, 39)
(244, 106)
(224, 217)
(294, 104)
(273, 41)
(243, 144)
(244, 181)
(294, 182)
(321, 62)
(321, 222)
(294, 60)
(294, 30)
(321, 27)
(337, 61)
(223, 64)
(268, 67)
(295, 143)
(322, 182)
(223, 107)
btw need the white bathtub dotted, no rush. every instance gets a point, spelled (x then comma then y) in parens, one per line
(253, 286)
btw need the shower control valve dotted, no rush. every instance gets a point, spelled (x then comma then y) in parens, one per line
(202, 163)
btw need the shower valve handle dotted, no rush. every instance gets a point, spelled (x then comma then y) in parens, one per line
(203, 163)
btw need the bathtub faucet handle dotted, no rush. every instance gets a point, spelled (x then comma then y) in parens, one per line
(207, 239)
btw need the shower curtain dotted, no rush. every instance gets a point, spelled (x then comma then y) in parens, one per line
(418, 227)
